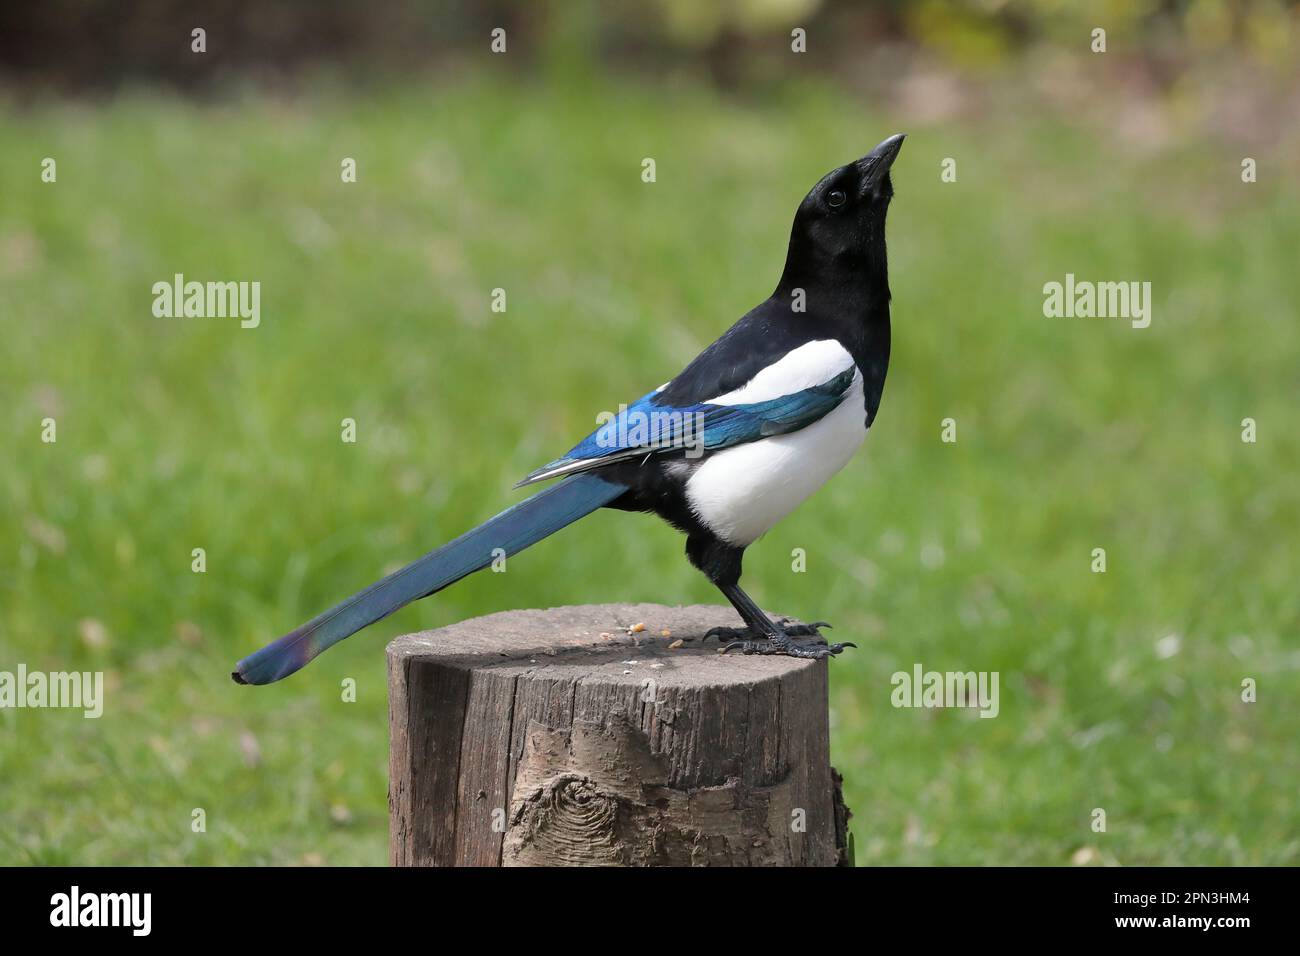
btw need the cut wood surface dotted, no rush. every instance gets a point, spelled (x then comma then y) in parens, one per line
(569, 737)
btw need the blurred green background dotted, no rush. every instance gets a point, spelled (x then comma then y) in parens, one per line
(521, 171)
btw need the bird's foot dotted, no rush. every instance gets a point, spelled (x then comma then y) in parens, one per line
(734, 634)
(782, 642)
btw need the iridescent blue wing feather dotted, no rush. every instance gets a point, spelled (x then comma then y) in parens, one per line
(648, 427)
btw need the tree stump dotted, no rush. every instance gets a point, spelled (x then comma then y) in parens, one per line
(570, 737)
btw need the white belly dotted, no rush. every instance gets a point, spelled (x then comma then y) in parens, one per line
(741, 492)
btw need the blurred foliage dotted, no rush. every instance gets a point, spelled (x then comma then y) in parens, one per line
(691, 23)
(91, 44)
(989, 30)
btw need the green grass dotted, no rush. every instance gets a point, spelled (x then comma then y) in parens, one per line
(1072, 434)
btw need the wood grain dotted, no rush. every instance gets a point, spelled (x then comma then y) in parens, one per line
(563, 738)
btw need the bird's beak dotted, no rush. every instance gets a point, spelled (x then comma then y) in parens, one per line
(875, 165)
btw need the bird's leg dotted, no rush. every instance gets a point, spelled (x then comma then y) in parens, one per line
(762, 635)
(720, 562)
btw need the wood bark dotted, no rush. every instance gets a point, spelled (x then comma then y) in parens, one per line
(567, 737)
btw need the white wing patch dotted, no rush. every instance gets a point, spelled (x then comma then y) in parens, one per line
(812, 363)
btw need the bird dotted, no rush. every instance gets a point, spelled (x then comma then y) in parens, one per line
(753, 426)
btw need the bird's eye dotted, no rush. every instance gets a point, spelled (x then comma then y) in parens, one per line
(836, 199)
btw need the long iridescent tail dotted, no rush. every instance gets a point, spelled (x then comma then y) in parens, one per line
(512, 530)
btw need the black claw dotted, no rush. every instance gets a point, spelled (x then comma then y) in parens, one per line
(747, 641)
(749, 647)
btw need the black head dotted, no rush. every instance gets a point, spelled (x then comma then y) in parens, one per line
(840, 225)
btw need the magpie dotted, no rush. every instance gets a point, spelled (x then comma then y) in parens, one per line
(754, 425)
